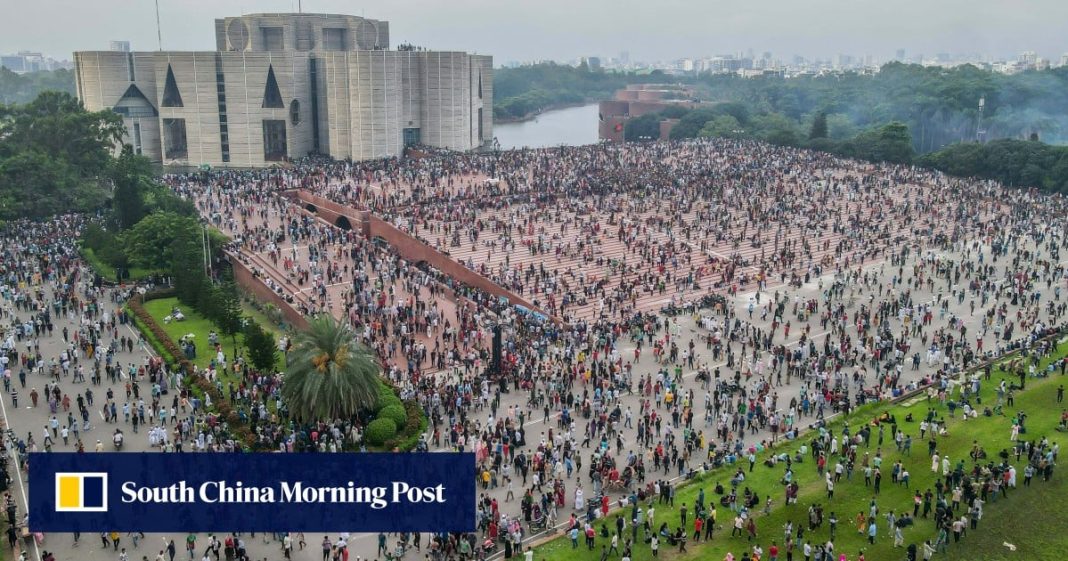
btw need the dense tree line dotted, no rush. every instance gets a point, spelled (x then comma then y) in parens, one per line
(905, 114)
(940, 106)
(1018, 163)
(24, 88)
(526, 90)
(1023, 163)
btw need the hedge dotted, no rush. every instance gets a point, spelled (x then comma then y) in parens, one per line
(394, 413)
(387, 397)
(415, 426)
(380, 430)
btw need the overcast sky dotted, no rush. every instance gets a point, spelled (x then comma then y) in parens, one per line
(523, 30)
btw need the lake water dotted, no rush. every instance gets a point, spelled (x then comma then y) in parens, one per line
(572, 126)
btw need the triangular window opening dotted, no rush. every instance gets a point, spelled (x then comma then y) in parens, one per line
(272, 98)
(171, 96)
(133, 100)
(132, 93)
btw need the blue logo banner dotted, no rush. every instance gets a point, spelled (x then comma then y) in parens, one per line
(130, 492)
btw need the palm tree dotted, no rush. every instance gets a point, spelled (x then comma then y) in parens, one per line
(329, 375)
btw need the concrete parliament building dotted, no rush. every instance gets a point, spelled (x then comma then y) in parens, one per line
(283, 86)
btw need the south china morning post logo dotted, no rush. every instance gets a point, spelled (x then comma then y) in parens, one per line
(252, 492)
(81, 492)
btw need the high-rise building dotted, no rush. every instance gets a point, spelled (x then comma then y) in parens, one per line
(843, 61)
(624, 57)
(283, 86)
(899, 55)
(14, 63)
(30, 61)
(119, 46)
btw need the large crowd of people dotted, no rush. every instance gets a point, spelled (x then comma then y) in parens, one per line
(700, 301)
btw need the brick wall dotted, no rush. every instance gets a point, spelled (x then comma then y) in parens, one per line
(329, 210)
(415, 251)
(406, 246)
(250, 282)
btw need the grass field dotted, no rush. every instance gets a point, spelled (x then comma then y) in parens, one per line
(1030, 518)
(200, 327)
(261, 318)
(107, 272)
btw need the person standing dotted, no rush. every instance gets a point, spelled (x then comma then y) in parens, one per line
(326, 546)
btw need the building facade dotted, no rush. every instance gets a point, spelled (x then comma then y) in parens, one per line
(284, 86)
(640, 99)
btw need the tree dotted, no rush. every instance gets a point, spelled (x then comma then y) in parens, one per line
(54, 156)
(646, 127)
(889, 143)
(261, 347)
(1012, 162)
(56, 124)
(22, 88)
(673, 112)
(722, 126)
(819, 126)
(690, 124)
(775, 128)
(525, 90)
(34, 185)
(226, 311)
(329, 376)
(840, 127)
(937, 105)
(154, 242)
(131, 176)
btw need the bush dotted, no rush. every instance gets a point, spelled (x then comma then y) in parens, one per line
(379, 431)
(394, 413)
(386, 397)
(414, 427)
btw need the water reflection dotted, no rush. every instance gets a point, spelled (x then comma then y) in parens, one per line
(572, 126)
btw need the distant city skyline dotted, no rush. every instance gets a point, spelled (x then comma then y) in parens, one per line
(562, 31)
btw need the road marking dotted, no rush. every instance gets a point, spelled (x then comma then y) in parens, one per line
(18, 476)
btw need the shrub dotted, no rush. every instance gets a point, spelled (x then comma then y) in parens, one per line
(416, 421)
(394, 413)
(379, 431)
(415, 425)
(386, 397)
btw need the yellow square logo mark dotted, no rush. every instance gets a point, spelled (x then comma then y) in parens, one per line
(81, 492)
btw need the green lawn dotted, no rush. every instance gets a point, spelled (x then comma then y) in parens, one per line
(260, 318)
(200, 327)
(108, 272)
(1024, 519)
